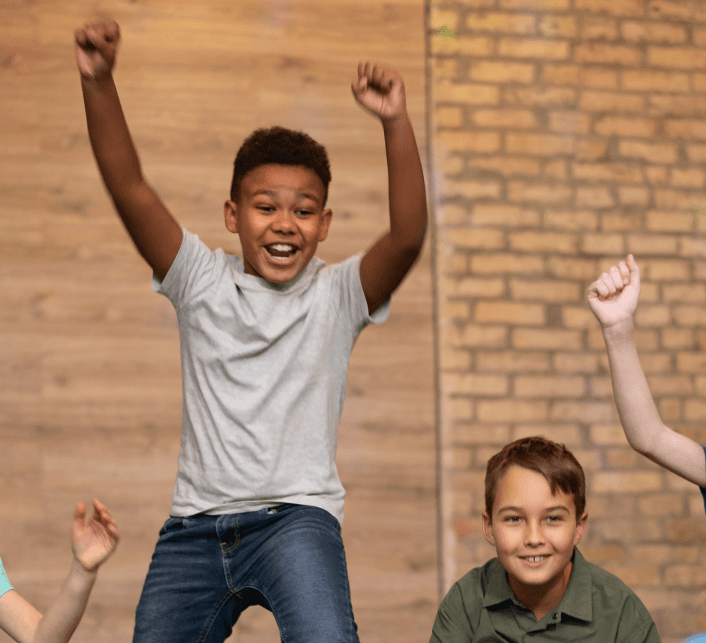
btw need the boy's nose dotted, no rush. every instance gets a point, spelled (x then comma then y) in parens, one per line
(284, 221)
(534, 534)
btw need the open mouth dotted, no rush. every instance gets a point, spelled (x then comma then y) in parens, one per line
(281, 250)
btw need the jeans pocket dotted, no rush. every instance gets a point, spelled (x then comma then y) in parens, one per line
(173, 523)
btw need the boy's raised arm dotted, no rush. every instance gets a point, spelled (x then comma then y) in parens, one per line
(613, 300)
(381, 91)
(152, 228)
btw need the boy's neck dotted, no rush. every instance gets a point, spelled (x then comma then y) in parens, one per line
(281, 286)
(542, 599)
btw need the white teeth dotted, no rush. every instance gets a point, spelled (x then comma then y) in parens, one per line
(535, 559)
(282, 247)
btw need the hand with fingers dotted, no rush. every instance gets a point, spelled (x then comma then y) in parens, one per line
(613, 296)
(95, 46)
(93, 541)
(380, 90)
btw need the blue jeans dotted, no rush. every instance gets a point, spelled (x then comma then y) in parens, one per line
(207, 569)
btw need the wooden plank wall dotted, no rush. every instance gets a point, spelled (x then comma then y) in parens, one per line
(90, 388)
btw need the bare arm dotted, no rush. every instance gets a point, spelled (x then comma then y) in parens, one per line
(385, 265)
(152, 228)
(92, 544)
(65, 613)
(613, 299)
(17, 617)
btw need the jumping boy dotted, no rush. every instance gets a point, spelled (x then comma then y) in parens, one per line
(613, 299)
(92, 543)
(539, 586)
(265, 345)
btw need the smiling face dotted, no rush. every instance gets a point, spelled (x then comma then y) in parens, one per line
(534, 533)
(280, 219)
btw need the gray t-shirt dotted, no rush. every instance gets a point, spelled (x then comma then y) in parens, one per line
(264, 373)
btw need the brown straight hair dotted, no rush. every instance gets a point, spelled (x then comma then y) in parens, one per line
(554, 461)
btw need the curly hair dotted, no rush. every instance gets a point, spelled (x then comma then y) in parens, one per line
(282, 146)
(554, 461)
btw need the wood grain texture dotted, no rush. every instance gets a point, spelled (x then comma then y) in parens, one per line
(90, 383)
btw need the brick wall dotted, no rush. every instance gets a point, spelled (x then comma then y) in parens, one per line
(567, 133)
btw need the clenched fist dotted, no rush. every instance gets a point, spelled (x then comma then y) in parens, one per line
(96, 46)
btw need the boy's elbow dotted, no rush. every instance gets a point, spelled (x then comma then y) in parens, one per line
(409, 253)
(642, 444)
(411, 239)
(422, 231)
(640, 447)
(411, 246)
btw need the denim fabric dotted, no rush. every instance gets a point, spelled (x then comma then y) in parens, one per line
(207, 569)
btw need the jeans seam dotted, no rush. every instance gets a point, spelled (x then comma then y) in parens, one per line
(226, 597)
(227, 550)
(271, 608)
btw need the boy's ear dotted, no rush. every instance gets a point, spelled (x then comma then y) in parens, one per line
(325, 223)
(488, 529)
(580, 528)
(230, 214)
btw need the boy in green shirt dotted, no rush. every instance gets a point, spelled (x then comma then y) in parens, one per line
(539, 587)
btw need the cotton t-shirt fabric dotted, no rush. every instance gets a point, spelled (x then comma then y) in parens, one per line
(597, 607)
(4, 581)
(264, 371)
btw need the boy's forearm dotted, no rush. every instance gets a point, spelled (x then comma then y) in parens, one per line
(64, 615)
(633, 399)
(408, 207)
(110, 138)
(150, 225)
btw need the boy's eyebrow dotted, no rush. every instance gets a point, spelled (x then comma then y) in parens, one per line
(309, 195)
(273, 194)
(520, 510)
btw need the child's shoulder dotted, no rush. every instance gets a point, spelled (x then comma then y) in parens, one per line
(477, 582)
(610, 593)
(602, 578)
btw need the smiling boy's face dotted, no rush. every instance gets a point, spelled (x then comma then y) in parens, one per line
(280, 219)
(534, 533)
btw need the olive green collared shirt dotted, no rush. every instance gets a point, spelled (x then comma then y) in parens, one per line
(597, 607)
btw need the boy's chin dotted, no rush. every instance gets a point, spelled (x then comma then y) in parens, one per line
(281, 276)
(276, 272)
(536, 576)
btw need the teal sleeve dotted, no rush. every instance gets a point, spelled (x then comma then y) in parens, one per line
(4, 582)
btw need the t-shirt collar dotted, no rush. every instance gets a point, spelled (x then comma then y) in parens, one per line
(301, 281)
(576, 602)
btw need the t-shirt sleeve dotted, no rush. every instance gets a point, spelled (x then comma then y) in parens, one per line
(192, 271)
(4, 581)
(453, 623)
(352, 297)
